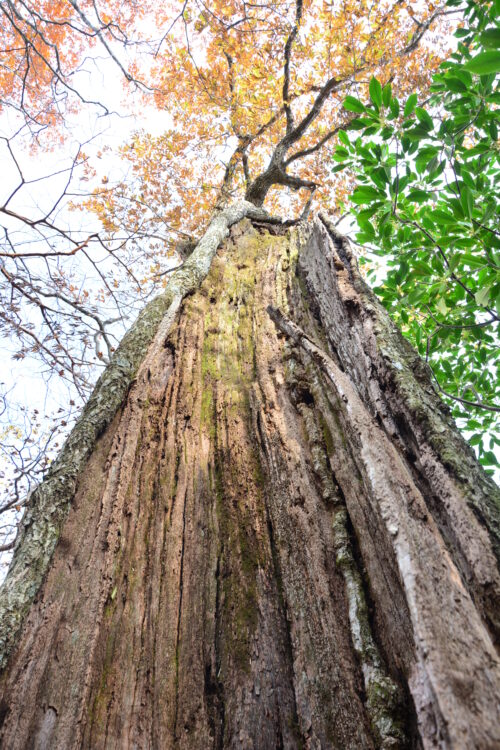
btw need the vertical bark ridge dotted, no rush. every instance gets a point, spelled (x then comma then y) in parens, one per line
(395, 385)
(387, 492)
(249, 562)
(306, 507)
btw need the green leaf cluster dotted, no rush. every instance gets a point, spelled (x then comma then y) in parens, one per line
(427, 203)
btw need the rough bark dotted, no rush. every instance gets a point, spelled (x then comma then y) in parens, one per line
(280, 541)
(50, 502)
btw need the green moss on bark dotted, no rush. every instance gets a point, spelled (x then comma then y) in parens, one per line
(49, 503)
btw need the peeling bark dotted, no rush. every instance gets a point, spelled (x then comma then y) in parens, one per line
(279, 540)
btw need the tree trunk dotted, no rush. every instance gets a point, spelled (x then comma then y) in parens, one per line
(280, 541)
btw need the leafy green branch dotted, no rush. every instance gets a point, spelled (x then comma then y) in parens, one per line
(427, 204)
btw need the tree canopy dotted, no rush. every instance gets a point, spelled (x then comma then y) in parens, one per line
(254, 93)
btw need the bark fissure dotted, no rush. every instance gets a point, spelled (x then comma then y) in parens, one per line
(279, 578)
(181, 573)
(395, 384)
(215, 686)
(382, 695)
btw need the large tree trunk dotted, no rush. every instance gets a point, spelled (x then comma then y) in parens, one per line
(279, 542)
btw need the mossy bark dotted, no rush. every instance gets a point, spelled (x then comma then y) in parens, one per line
(49, 503)
(280, 541)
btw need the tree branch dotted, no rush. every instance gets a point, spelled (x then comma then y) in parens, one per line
(286, 71)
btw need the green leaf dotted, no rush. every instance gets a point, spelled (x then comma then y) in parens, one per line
(484, 63)
(441, 306)
(353, 105)
(356, 124)
(419, 196)
(493, 130)
(366, 154)
(463, 75)
(490, 38)
(386, 133)
(472, 261)
(418, 133)
(467, 200)
(482, 296)
(366, 227)
(473, 424)
(400, 183)
(379, 177)
(488, 458)
(403, 270)
(410, 105)
(375, 90)
(455, 84)
(386, 95)
(394, 107)
(365, 194)
(424, 156)
(433, 167)
(422, 269)
(456, 207)
(366, 213)
(442, 217)
(424, 118)
(344, 138)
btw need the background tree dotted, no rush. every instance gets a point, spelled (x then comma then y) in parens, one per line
(253, 529)
(428, 204)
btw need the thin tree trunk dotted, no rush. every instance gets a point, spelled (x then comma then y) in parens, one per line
(280, 541)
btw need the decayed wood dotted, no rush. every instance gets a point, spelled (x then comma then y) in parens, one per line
(274, 543)
(447, 698)
(396, 387)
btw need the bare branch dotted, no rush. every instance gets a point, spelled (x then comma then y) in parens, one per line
(286, 72)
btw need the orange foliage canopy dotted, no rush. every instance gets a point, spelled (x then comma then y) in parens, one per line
(243, 82)
(237, 78)
(45, 45)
